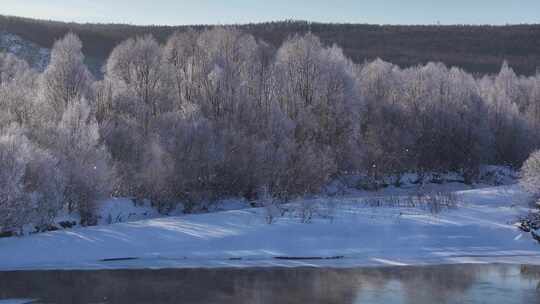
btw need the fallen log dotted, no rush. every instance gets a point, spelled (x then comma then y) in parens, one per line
(118, 259)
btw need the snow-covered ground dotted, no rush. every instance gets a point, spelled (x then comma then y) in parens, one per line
(480, 230)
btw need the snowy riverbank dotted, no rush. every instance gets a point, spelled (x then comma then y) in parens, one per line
(480, 230)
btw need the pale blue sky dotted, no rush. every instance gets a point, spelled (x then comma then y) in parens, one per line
(178, 12)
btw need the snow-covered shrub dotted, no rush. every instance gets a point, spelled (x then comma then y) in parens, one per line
(529, 222)
(530, 173)
(498, 175)
(371, 183)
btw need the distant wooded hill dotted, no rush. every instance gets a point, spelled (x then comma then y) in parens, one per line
(477, 49)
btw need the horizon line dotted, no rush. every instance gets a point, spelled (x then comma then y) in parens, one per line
(436, 24)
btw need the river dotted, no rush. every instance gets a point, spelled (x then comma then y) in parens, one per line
(412, 285)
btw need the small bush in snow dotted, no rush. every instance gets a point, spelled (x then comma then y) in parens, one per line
(271, 210)
(437, 202)
(433, 202)
(306, 210)
(529, 222)
(271, 206)
(327, 209)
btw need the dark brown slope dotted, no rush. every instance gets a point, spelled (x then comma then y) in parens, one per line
(478, 49)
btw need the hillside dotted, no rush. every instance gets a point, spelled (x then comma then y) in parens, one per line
(37, 56)
(478, 49)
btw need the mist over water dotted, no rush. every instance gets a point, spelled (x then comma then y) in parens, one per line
(433, 284)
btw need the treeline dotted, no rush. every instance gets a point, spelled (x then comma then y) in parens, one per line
(477, 49)
(218, 113)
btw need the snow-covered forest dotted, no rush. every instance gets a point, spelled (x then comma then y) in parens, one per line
(218, 113)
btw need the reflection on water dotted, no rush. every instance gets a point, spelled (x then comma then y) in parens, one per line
(414, 285)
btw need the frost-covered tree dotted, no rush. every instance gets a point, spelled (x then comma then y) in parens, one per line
(128, 102)
(17, 90)
(138, 79)
(426, 118)
(156, 181)
(451, 136)
(14, 205)
(11, 67)
(218, 113)
(510, 129)
(316, 87)
(226, 60)
(31, 186)
(387, 130)
(532, 110)
(67, 78)
(83, 160)
(182, 55)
